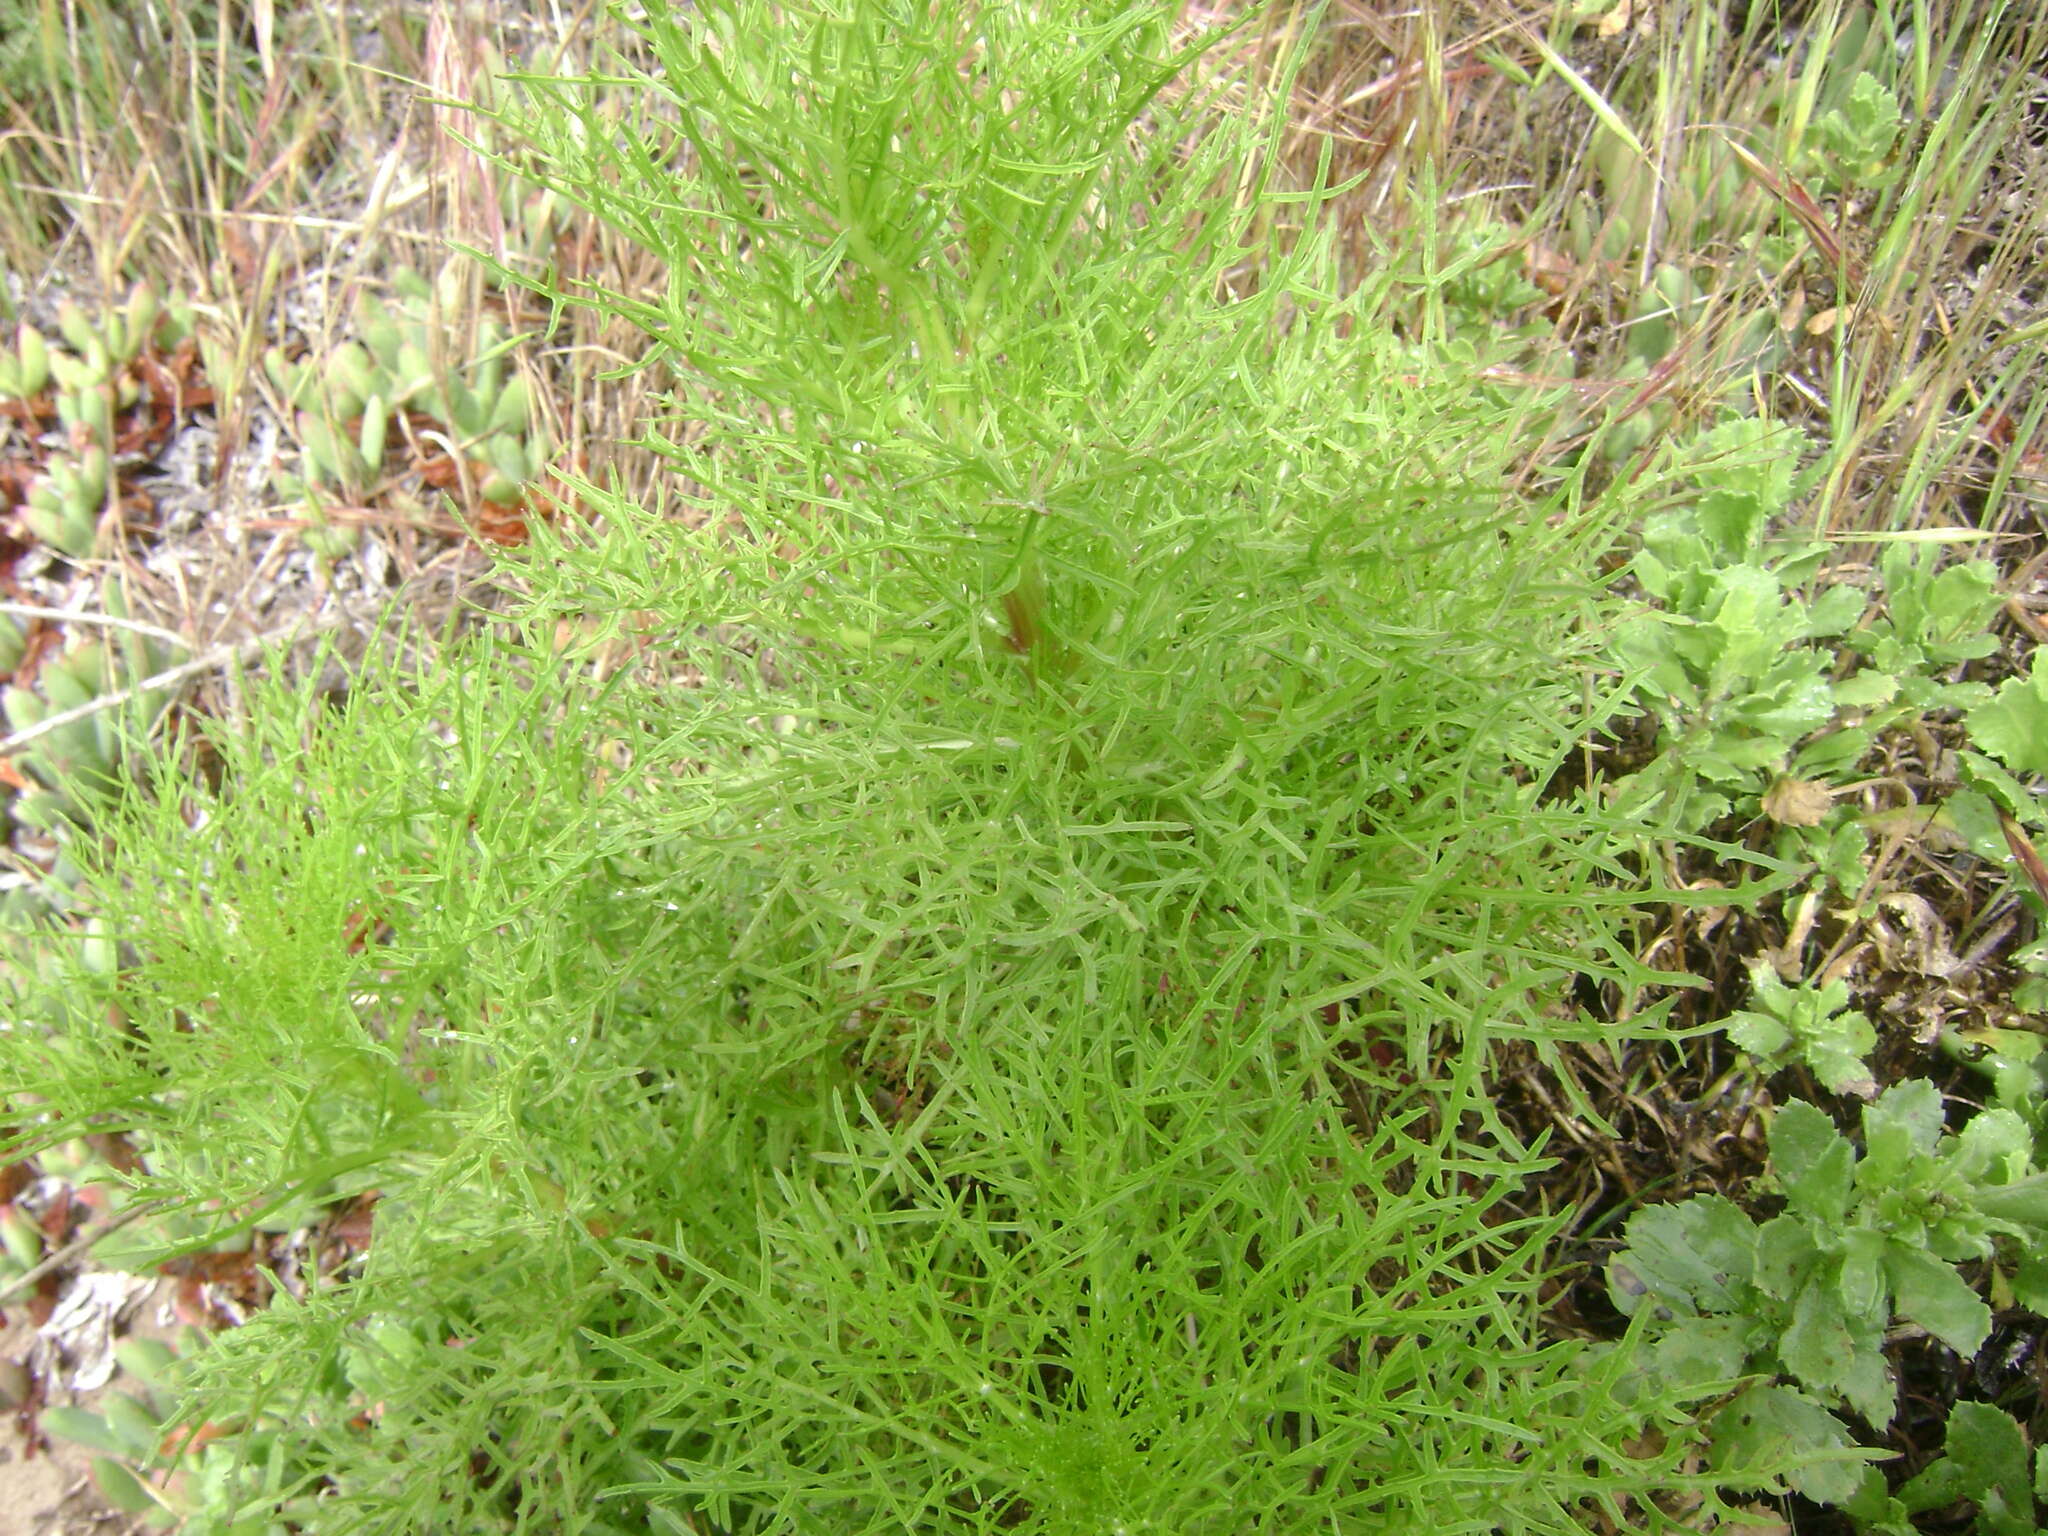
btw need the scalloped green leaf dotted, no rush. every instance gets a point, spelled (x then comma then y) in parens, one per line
(1699, 1255)
(1815, 1164)
(1928, 1291)
(2013, 726)
(1771, 1436)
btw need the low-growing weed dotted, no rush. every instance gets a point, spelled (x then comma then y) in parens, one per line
(1759, 711)
(1997, 804)
(1726, 663)
(75, 723)
(1812, 1026)
(93, 406)
(1798, 1306)
(1936, 618)
(457, 402)
(1985, 1463)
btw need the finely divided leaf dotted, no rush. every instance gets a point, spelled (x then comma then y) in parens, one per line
(2013, 726)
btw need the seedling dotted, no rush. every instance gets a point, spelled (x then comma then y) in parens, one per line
(1727, 666)
(1854, 145)
(1814, 1027)
(25, 370)
(1935, 619)
(65, 505)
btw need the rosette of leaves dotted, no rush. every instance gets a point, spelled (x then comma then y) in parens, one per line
(1484, 287)
(483, 406)
(1790, 1314)
(1852, 146)
(1935, 619)
(1809, 1026)
(65, 502)
(1726, 665)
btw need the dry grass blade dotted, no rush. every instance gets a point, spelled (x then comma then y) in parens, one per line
(1800, 204)
(2024, 853)
(207, 661)
(93, 618)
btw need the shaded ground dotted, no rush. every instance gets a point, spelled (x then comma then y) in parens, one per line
(46, 1483)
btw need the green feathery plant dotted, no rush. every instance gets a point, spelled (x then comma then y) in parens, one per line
(987, 1021)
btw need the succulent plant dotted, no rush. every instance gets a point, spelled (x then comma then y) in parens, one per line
(130, 1433)
(536, 214)
(25, 370)
(94, 377)
(21, 1243)
(81, 759)
(405, 365)
(64, 503)
(13, 642)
